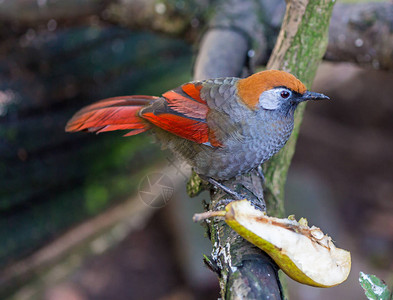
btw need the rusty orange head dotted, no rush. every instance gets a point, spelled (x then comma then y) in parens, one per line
(267, 88)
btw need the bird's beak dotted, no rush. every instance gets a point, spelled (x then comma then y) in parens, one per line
(313, 96)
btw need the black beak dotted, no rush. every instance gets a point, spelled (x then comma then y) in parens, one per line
(313, 96)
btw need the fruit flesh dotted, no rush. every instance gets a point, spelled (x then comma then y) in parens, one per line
(304, 254)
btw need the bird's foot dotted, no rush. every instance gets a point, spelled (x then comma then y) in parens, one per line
(236, 196)
(260, 173)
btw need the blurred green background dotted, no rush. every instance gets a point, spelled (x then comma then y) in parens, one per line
(51, 179)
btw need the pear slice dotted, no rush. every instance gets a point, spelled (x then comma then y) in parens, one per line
(305, 254)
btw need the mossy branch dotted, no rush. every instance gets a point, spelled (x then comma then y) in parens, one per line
(299, 49)
(244, 271)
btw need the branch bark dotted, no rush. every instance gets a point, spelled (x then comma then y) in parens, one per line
(300, 47)
(244, 271)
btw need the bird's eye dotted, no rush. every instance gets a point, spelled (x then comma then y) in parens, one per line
(285, 94)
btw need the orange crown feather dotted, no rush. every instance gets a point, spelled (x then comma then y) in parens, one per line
(250, 88)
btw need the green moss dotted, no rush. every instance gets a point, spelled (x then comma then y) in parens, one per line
(194, 185)
(301, 59)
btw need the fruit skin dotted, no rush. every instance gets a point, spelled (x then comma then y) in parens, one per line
(274, 252)
(277, 254)
(222, 127)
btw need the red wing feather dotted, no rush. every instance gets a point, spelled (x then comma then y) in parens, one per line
(183, 112)
(119, 113)
(194, 91)
(186, 106)
(187, 128)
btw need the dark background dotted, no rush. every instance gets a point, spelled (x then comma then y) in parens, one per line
(71, 223)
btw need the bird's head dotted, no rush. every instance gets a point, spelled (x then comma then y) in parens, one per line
(274, 90)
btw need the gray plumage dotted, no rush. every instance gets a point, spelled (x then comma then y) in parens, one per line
(249, 137)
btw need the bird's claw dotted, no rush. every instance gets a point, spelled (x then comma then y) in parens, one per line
(260, 173)
(227, 190)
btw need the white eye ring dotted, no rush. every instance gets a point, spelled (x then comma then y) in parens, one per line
(273, 98)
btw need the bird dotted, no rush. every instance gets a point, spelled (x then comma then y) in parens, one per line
(222, 127)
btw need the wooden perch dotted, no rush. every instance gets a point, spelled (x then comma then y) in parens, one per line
(238, 264)
(300, 47)
(244, 271)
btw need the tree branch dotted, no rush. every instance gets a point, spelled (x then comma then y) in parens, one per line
(244, 271)
(363, 34)
(237, 35)
(240, 265)
(299, 49)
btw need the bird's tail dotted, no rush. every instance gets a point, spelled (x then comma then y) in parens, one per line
(118, 113)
